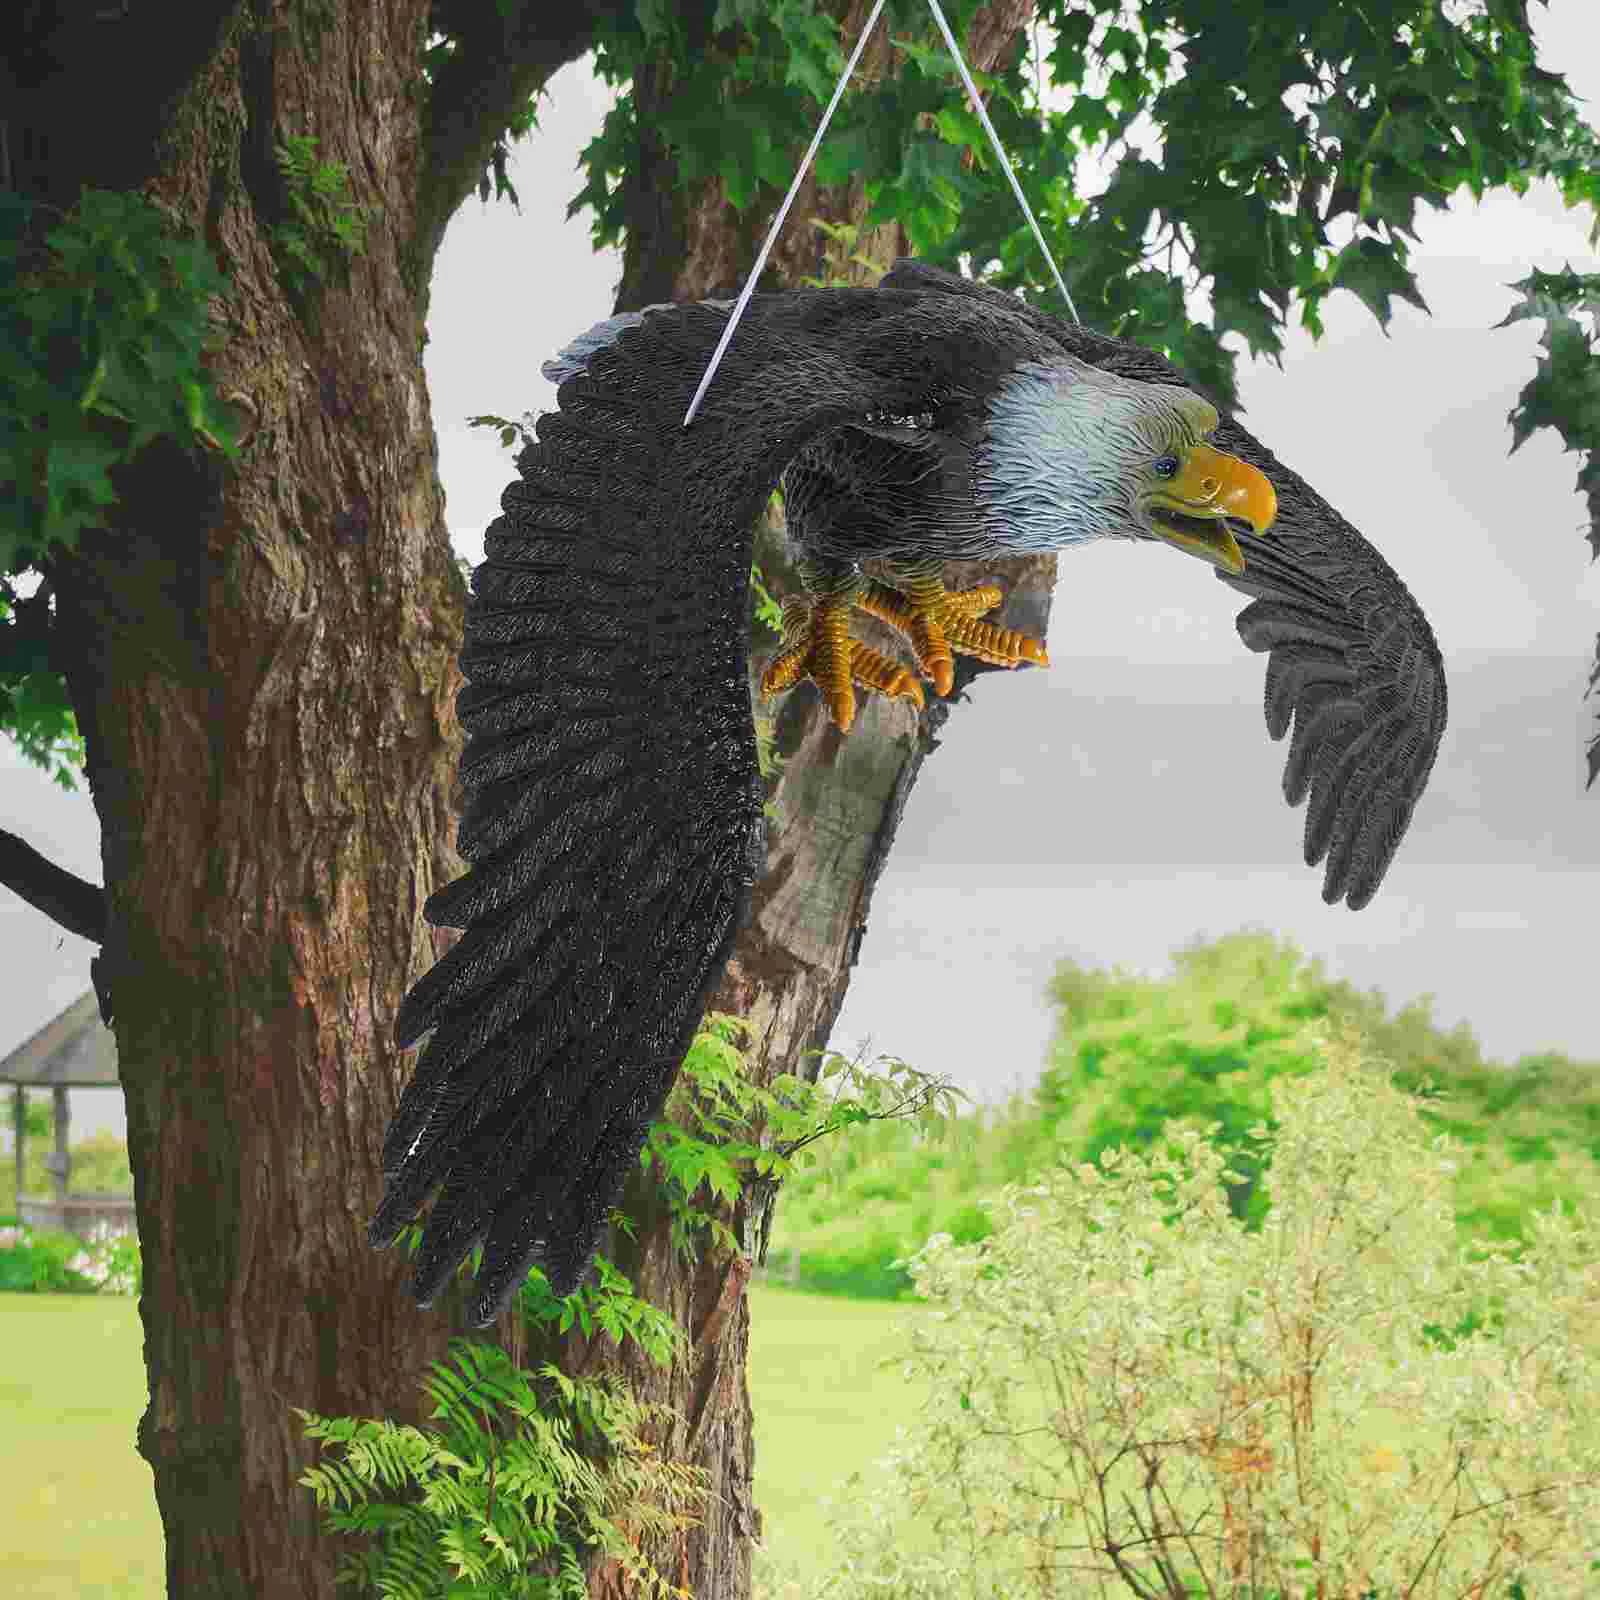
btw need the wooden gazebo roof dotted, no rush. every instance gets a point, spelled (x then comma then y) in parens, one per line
(74, 1050)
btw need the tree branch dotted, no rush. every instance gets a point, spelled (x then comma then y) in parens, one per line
(500, 63)
(78, 905)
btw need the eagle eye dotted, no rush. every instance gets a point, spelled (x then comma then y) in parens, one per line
(1166, 466)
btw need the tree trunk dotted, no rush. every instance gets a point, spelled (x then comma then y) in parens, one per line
(262, 661)
(839, 800)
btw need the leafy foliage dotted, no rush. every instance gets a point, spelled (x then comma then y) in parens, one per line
(1564, 394)
(469, 1510)
(575, 1464)
(39, 1261)
(102, 353)
(105, 328)
(325, 230)
(110, 1260)
(1135, 1057)
(723, 1133)
(34, 707)
(766, 610)
(842, 254)
(1131, 1393)
(1295, 145)
(37, 1120)
(606, 1305)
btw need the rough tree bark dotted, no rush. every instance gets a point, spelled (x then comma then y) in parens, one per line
(262, 662)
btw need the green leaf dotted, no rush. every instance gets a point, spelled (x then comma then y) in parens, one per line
(958, 126)
(815, 58)
(1258, 321)
(1378, 275)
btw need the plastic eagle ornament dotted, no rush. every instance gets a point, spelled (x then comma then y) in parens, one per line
(613, 822)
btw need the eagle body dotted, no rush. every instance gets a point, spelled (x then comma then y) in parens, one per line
(613, 820)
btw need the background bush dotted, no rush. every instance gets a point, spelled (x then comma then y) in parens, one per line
(1135, 1391)
(1134, 1057)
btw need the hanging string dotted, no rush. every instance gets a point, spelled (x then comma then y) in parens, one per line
(777, 221)
(805, 165)
(994, 139)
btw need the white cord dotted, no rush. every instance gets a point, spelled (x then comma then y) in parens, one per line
(994, 139)
(777, 221)
(794, 189)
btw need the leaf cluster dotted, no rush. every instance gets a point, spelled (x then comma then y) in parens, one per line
(35, 708)
(1136, 1055)
(1266, 155)
(841, 253)
(1133, 1394)
(734, 113)
(724, 1134)
(1564, 394)
(606, 1304)
(1269, 155)
(325, 229)
(526, 1476)
(106, 325)
(495, 180)
(39, 1261)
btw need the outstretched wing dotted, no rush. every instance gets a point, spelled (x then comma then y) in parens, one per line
(1350, 656)
(1352, 660)
(613, 815)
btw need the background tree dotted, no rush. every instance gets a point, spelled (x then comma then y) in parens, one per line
(249, 612)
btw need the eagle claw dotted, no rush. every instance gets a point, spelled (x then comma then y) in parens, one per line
(818, 644)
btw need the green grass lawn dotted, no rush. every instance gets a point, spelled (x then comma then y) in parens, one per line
(79, 1519)
(79, 1516)
(824, 1407)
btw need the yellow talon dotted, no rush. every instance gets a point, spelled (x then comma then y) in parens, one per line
(957, 617)
(817, 645)
(974, 602)
(1001, 647)
(817, 642)
(875, 671)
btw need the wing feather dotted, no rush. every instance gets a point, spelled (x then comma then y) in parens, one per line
(1359, 670)
(1351, 660)
(612, 817)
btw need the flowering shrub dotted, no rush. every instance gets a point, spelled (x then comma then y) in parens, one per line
(110, 1261)
(1134, 1394)
(59, 1263)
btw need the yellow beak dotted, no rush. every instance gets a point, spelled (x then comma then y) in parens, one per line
(1192, 510)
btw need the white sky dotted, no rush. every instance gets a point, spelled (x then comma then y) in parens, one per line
(1144, 743)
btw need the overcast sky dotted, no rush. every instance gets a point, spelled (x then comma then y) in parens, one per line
(1128, 798)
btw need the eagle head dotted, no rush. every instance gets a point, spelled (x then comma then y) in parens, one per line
(1074, 454)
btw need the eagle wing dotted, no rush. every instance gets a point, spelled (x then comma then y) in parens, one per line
(1351, 660)
(613, 818)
